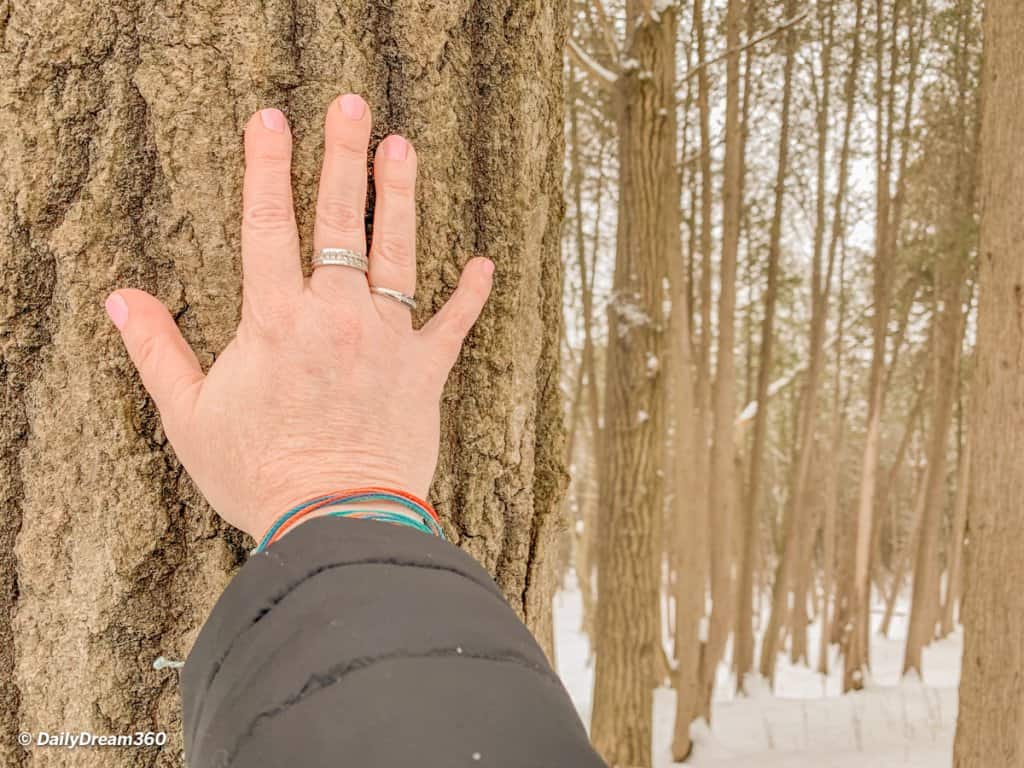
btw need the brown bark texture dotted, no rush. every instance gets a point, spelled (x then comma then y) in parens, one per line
(628, 638)
(990, 726)
(120, 146)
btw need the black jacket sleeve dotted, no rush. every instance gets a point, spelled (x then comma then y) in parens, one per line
(359, 643)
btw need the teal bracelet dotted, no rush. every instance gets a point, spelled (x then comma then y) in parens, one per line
(420, 515)
(383, 516)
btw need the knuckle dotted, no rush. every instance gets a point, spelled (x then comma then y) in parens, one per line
(394, 250)
(148, 352)
(268, 212)
(341, 213)
(400, 186)
(268, 155)
(346, 149)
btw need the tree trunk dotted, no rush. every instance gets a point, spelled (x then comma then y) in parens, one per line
(907, 552)
(889, 214)
(689, 689)
(951, 275)
(121, 150)
(723, 486)
(956, 541)
(628, 576)
(744, 638)
(924, 610)
(588, 359)
(990, 727)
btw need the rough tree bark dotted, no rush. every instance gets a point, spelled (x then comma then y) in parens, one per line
(120, 144)
(990, 726)
(627, 639)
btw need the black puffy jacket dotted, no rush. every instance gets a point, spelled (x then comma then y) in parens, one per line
(358, 643)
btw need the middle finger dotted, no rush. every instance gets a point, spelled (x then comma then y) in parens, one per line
(341, 199)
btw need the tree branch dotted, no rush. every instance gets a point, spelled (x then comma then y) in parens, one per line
(749, 44)
(602, 75)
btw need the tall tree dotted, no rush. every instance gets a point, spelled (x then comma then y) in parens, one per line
(628, 639)
(723, 481)
(950, 270)
(990, 726)
(744, 638)
(121, 150)
(795, 518)
(891, 135)
(690, 605)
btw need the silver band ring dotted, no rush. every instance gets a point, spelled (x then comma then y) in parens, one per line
(341, 257)
(405, 300)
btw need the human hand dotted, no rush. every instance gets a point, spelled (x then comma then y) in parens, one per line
(325, 386)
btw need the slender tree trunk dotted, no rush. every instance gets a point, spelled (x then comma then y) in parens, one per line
(906, 553)
(924, 611)
(588, 357)
(956, 541)
(787, 609)
(121, 151)
(628, 576)
(889, 213)
(723, 486)
(990, 726)
(832, 492)
(951, 275)
(688, 511)
(805, 526)
(707, 260)
(744, 638)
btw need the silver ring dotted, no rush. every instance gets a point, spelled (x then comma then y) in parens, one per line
(403, 299)
(341, 257)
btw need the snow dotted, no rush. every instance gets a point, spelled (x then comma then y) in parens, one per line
(806, 722)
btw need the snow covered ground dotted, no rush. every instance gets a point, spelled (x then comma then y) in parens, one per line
(806, 722)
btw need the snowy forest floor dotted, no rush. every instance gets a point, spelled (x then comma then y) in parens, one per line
(806, 722)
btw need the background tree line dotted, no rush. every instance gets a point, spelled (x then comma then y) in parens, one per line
(771, 325)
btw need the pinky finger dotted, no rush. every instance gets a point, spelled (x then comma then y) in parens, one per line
(448, 328)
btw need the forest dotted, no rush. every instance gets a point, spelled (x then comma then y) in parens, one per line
(770, 357)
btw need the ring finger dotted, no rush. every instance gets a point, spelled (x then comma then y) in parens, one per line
(341, 199)
(393, 250)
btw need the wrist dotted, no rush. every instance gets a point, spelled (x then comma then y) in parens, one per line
(383, 504)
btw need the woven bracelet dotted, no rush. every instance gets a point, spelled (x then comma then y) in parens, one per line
(423, 518)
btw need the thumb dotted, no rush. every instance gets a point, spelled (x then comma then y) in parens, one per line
(166, 363)
(448, 328)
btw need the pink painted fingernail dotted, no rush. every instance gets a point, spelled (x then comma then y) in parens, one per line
(488, 267)
(117, 309)
(396, 148)
(352, 106)
(273, 119)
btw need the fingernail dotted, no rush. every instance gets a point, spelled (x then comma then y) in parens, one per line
(488, 267)
(273, 119)
(352, 106)
(117, 309)
(396, 148)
